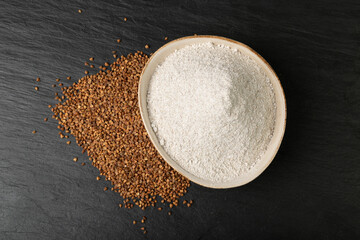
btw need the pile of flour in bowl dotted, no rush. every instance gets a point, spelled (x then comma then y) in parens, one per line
(212, 109)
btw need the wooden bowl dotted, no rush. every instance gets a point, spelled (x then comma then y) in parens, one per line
(280, 120)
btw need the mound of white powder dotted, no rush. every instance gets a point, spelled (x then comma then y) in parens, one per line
(213, 110)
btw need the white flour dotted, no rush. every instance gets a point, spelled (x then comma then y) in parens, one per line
(213, 110)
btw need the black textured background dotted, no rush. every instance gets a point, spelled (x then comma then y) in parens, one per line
(310, 191)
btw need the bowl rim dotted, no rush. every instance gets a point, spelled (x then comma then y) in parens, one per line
(162, 151)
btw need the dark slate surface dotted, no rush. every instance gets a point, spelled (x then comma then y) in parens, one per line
(310, 191)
